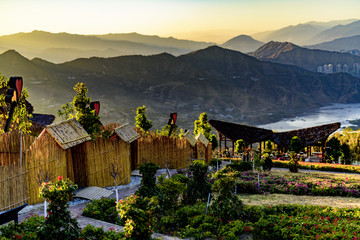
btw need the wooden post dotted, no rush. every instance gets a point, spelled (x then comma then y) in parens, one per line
(20, 147)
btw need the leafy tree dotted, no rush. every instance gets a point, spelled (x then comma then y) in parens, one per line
(334, 149)
(198, 186)
(296, 144)
(346, 153)
(202, 126)
(166, 129)
(214, 141)
(80, 109)
(21, 117)
(239, 145)
(141, 120)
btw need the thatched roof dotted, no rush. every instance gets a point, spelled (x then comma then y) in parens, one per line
(190, 137)
(235, 131)
(201, 138)
(127, 133)
(309, 136)
(68, 133)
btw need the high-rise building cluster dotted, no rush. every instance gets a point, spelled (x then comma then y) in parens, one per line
(338, 68)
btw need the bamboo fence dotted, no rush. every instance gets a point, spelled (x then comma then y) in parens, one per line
(167, 151)
(45, 161)
(97, 158)
(12, 186)
(10, 147)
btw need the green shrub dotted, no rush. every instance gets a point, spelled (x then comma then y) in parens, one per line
(28, 229)
(240, 166)
(267, 163)
(294, 163)
(103, 209)
(138, 214)
(148, 186)
(226, 205)
(180, 178)
(198, 185)
(214, 163)
(171, 192)
(97, 233)
(58, 223)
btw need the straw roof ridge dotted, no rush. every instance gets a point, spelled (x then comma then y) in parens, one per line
(236, 131)
(308, 136)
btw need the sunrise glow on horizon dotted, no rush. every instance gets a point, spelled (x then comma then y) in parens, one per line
(205, 20)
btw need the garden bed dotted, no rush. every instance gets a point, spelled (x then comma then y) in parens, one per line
(329, 167)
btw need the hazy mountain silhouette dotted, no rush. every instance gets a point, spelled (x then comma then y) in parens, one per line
(61, 47)
(186, 45)
(288, 53)
(301, 34)
(224, 83)
(339, 31)
(341, 44)
(242, 43)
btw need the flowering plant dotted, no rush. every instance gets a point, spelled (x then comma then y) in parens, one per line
(137, 212)
(58, 223)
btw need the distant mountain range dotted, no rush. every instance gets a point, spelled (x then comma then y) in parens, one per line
(226, 84)
(61, 47)
(288, 53)
(312, 32)
(341, 44)
(242, 43)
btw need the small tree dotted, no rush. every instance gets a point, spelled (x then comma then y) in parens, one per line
(295, 146)
(166, 129)
(198, 186)
(202, 126)
(80, 109)
(141, 120)
(334, 149)
(59, 224)
(346, 153)
(148, 186)
(239, 146)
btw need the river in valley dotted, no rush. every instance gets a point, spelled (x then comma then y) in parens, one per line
(333, 113)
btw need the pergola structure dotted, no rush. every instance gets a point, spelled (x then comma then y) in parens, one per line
(313, 136)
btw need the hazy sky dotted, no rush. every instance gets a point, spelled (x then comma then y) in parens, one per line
(210, 20)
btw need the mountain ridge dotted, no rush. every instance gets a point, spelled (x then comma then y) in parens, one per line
(227, 84)
(310, 59)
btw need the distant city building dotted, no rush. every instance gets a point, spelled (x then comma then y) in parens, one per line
(338, 68)
(346, 68)
(356, 69)
(328, 68)
(320, 69)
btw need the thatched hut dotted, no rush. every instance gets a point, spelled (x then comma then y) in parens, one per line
(50, 155)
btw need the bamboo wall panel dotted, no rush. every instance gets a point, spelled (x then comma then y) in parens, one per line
(100, 155)
(46, 159)
(164, 150)
(12, 186)
(10, 147)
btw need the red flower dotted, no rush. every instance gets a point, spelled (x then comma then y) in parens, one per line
(60, 178)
